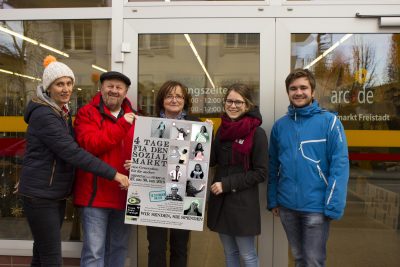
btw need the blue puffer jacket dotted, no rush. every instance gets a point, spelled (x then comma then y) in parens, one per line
(308, 162)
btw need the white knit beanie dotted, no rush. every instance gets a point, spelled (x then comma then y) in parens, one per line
(55, 70)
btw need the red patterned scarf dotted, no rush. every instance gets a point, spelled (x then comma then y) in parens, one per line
(241, 133)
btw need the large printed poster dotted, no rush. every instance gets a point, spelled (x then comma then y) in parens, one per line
(169, 172)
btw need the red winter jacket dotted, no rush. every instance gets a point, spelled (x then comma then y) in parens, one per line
(109, 139)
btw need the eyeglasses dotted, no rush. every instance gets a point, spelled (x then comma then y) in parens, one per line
(176, 97)
(230, 102)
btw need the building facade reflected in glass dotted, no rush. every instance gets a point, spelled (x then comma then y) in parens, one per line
(206, 63)
(82, 45)
(358, 76)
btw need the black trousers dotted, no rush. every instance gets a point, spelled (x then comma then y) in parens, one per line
(45, 218)
(157, 238)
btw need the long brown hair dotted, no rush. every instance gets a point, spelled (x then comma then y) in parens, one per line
(165, 89)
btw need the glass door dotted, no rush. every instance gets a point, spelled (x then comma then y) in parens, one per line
(357, 67)
(206, 55)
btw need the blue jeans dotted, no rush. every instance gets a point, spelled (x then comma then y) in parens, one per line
(105, 237)
(45, 218)
(239, 245)
(307, 234)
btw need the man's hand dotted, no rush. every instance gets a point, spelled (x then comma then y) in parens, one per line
(123, 180)
(128, 164)
(130, 117)
(275, 211)
(216, 188)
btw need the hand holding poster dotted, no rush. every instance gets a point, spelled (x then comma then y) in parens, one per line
(169, 172)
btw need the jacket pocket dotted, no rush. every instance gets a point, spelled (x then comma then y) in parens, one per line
(309, 155)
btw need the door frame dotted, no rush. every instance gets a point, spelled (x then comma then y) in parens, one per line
(266, 28)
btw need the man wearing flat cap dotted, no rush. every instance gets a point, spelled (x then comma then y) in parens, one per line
(174, 194)
(105, 128)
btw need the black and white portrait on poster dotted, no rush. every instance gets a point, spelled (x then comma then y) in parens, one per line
(160, 129)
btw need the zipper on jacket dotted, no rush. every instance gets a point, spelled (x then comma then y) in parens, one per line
(321, 174)
(52, 173)
(93, 195)
(331, 193)
(296, 189)
(333, 123)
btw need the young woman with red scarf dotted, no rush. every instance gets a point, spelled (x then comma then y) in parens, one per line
(240, 153)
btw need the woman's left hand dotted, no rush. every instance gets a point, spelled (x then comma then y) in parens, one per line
(216, 188)
(209, 122)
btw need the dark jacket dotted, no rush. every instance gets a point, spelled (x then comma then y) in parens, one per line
(51, 154)
(237, 210)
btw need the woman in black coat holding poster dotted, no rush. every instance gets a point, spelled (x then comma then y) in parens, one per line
(172, 102)
(240, 153)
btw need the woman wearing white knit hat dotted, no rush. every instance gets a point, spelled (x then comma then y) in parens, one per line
(48, 168)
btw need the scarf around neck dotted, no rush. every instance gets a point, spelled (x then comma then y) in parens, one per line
(241, 134)
(181, 116)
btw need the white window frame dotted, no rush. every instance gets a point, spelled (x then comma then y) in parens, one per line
(73, 35)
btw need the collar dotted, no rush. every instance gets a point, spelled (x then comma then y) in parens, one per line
(306, 111)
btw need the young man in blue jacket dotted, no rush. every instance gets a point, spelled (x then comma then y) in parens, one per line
(308, 171)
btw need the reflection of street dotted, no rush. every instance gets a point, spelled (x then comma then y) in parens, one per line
(18, 229)
(365, 228)
(356, 236)
(377, 193)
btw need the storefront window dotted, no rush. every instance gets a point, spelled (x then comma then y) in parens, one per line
(206, 63)
(53, 3)
(358, 76)
(84, 45)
